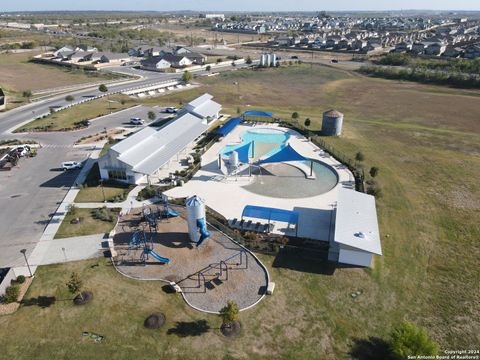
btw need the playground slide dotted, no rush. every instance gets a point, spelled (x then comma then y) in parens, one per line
(170, 212)
(158, 257)
(204, 233)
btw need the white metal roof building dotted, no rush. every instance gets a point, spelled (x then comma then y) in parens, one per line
(150, 149)
(357, 237)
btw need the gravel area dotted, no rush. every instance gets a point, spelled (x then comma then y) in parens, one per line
(244, 282)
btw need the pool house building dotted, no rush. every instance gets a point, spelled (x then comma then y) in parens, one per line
(142, 155)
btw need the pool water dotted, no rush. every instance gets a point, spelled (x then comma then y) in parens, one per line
(266, 141)
(281, 180)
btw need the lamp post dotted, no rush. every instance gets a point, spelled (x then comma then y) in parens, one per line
(24, 251)
(103, 191)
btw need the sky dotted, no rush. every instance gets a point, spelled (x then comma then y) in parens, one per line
(237, 5)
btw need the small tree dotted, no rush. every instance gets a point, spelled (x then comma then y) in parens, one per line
(229, 313)
(75, 284)
(27, 94)
(69, 98)
(374, 171)
(187, 76)
(248, 61)
(409, 340)
(219, 60)
(359, 156)
(151, 115)
(103, 88)
(295, 115)
(208, 68)
(307, 122)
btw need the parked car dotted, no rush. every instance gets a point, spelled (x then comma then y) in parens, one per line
(294, 57)
(335, 61)
(85, 123)
(136, 121)
(23, 150)
(71, 165)
(171, 110)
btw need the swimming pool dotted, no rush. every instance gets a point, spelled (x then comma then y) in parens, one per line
(265, 140)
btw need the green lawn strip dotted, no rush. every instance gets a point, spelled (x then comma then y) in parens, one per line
(66, 119)
(88, 224)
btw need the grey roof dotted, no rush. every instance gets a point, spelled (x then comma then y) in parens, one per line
(204, 106)
(200, 100)
(208, 109)
(149, 149)
(356, 216)
(114, 56)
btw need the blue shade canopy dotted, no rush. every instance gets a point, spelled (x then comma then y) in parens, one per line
(228, 126)
(260, 212)
(244, 152)
(286, 153)
(258, 113)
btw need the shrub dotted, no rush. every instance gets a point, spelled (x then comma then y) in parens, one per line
(147, 192)
(248, 61)
(374, 171)
(11, 294)
(103, 214)
(359, 156)
(409, 340)
(295, 115)
(307, 122)
(20, 279)
(72, 210)
(375, 191)
(229, 313)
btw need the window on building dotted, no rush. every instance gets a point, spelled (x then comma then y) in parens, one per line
(117, 175)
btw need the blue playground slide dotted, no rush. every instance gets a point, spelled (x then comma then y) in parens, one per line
(170, 213)
(158, 257)
(204, 233)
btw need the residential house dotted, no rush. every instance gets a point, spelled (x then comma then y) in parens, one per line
(453, 52)
(472, 52)
(435, 48)
(114, 58)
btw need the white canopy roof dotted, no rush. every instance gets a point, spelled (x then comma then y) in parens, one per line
(356, 222)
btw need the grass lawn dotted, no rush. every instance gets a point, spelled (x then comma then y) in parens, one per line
(17, 71)
(95, 194)
(87, 226)
(66, 119)
(425, 141)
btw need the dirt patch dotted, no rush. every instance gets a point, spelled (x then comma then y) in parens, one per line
(231, 329)
(154, 321)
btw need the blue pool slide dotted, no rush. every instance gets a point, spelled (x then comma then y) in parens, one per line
(158, 257)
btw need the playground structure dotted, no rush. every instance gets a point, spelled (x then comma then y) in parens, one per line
(139, 242)
(197, 225)
(207, 275)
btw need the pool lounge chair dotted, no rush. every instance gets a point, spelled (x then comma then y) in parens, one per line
(258, 227)
(248, 225)
(233, 222)
(240, 224)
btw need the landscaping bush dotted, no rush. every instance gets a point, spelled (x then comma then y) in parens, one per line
(147, 192)
(375, 191)
(20, 279)
(103, 214)
(11, 294)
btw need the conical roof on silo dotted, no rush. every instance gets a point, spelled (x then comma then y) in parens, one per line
(333, 113)
(194, 201)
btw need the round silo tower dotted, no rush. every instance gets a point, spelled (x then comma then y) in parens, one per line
(332, 123)
(195, 211)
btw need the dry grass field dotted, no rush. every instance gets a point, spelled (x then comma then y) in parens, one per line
(426, 143)
(18, 74)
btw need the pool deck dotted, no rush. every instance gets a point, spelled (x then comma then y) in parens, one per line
(226, 195)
